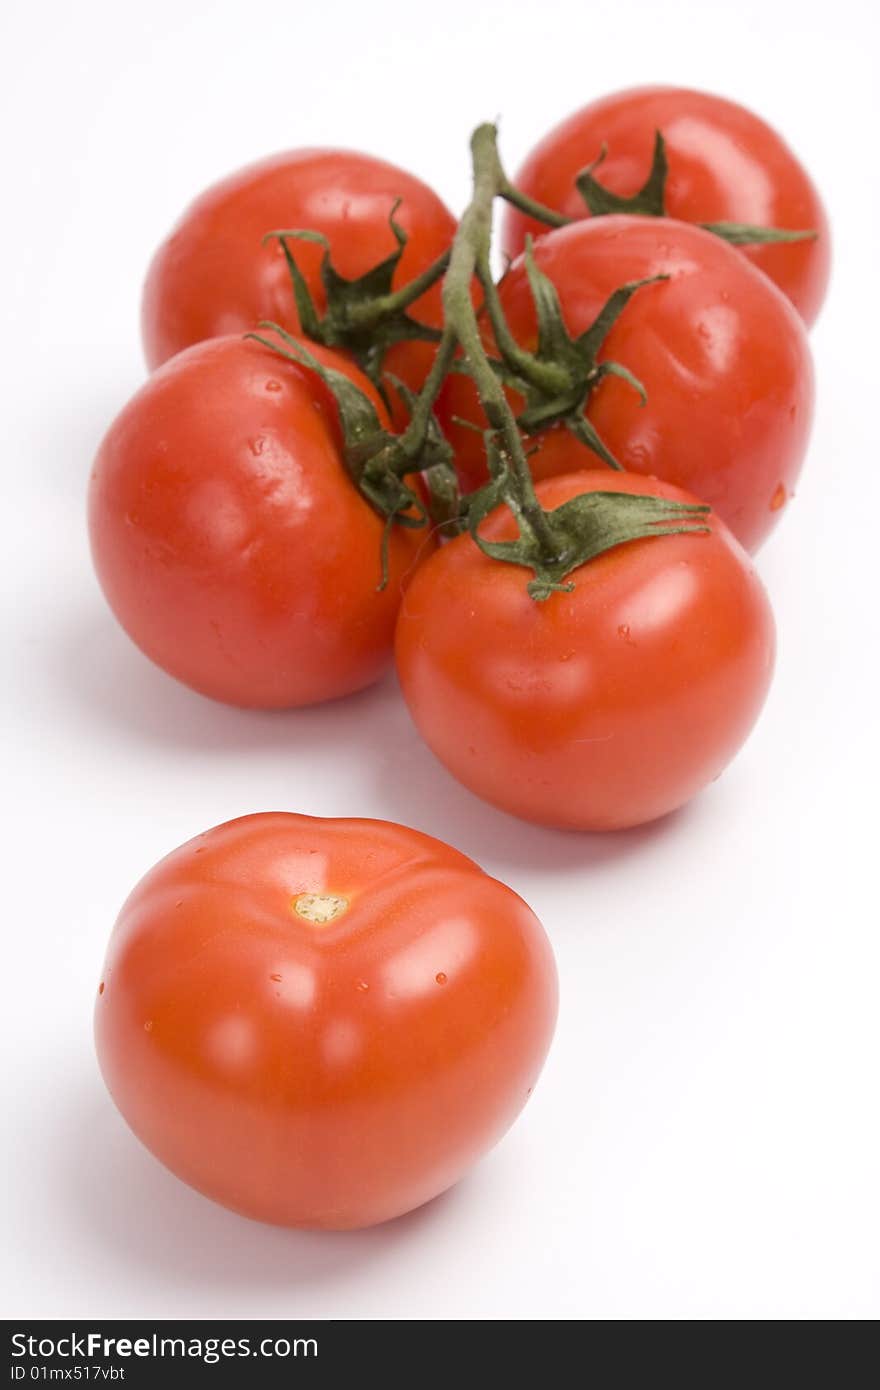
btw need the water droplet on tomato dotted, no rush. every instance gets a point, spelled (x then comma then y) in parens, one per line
(778, 499)
(441, 977)
(273, 385)
(276, 978)
(257, 445)
(101, 987)
(148, 1026)
(362, 984)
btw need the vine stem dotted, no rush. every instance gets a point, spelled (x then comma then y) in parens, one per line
(511, 194)
(551, 543)
(414, 289)
(412, 439)
(544, 374)
(470, 254)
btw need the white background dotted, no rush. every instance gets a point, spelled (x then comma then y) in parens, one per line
(704, 1142)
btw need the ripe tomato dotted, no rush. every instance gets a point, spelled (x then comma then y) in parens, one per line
(600, 708)
(229, 539)
(322, 1022)
(214, 276)
(721, 353)
(725, 165)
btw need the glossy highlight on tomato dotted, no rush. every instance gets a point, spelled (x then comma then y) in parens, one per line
(213, 275)
(322, 1023)
(229, 538)
(722, 355)
(725, 165)
(601, 708)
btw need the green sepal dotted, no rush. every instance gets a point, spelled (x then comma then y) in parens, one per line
(589, 343)
(742, 234)
(581, 529)
(373, 456)
(624, 374)
(363, 315)
(648, 202)
(309, 318)
(585, 433)
(362, 429)
(577, 357)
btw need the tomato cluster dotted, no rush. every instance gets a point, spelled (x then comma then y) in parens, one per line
(537, 496)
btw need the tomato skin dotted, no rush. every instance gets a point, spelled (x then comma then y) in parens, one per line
(229, 539)
(331, 1075)
(601, 708)
(725, 165)
(213, 276)
(721, 353)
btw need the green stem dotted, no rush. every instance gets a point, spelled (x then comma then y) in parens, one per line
(470, 248)
(546, 375)
(413, 438)
(513, 195)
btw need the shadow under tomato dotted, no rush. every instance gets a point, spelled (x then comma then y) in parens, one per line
(130, 1211)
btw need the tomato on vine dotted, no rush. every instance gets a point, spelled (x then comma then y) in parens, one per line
(238, 526)
(715, 162)
(371, 229)
(322, 1023)
(617, 697)
(677, 359)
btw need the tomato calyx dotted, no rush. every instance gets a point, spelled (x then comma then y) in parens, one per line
(552, 544)
(555, 382)
(561, 399)
(377, 461)
(576, 532)
(364, 316)
(650, 201)
(425, 441)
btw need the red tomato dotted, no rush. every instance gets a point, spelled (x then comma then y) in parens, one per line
(322, 1022)
(229, 539)
(600, 708)
(721, 353)
(214, 276)
(725, 165)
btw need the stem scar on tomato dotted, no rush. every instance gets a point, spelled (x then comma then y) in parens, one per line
(320, 908)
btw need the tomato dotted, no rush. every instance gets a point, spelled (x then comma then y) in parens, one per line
(725, 165)
(229, 539)
(213, 275)
(597, 709)
(322, 1022)
(721, 353)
